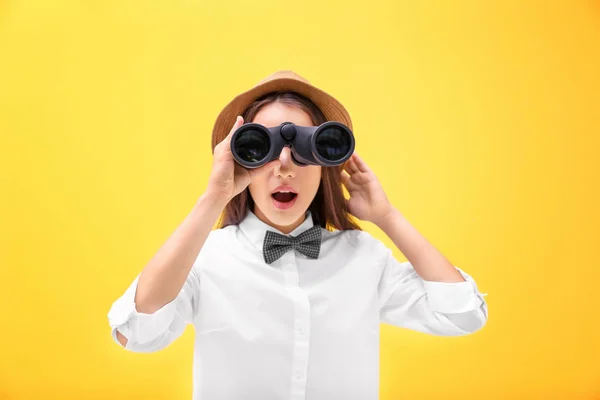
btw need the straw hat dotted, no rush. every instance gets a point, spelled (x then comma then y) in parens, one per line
(279, 81)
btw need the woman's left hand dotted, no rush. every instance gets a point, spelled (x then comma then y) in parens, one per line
(368, 200)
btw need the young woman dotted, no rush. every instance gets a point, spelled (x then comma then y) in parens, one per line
(301, 323)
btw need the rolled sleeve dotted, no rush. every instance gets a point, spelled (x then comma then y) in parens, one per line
(454, 297)
(438, 308)
(124, 307)
(150, 332)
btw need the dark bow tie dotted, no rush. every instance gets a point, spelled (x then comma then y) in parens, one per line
(307, 243)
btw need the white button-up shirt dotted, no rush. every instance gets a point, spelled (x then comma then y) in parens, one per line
(299, 328)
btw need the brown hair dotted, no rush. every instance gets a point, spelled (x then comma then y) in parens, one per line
(328, 208)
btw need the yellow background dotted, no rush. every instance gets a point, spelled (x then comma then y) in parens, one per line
(479, 117)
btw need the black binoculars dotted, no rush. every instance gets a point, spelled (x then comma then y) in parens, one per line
(329, 144)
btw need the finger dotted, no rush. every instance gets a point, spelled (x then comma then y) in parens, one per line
(347, 181)
(239, 121)
(270, 166)
(360, 163)
(350, 166)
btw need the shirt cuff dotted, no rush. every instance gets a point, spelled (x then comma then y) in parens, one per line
(454, 297)
(136, 326)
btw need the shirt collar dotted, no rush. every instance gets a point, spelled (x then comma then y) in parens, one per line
(255, 229)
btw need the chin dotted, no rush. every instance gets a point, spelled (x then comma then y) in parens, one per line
(287, 219)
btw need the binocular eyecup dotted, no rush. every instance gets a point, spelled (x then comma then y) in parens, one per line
(330, 144)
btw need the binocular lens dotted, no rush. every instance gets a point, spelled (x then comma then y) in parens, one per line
(333, 143)
(252, 145)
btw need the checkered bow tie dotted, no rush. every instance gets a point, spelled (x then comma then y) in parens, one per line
(307, 243)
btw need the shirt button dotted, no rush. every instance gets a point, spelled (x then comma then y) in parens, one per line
(298, 375)
(301, 331)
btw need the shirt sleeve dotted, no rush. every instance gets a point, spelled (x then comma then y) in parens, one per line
(152, 332)
(438, 308)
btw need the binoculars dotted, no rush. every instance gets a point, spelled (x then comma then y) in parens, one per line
(329, 144)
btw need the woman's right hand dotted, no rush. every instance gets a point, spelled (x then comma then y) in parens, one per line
(228, 178)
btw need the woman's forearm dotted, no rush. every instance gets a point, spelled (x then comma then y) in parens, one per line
(427, 261)
(164, 276)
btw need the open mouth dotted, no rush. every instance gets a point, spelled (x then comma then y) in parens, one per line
(284, 197)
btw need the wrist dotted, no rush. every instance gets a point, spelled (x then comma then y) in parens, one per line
(389, 218)
(213, 201)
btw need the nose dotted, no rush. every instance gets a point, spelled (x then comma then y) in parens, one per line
(287, 168)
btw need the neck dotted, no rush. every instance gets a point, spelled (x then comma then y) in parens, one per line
(281, 228)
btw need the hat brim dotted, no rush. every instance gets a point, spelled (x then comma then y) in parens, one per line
(332, 109)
